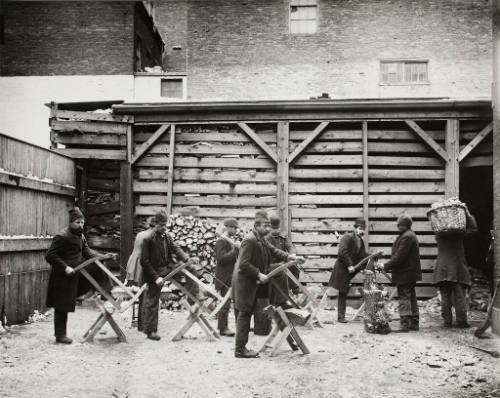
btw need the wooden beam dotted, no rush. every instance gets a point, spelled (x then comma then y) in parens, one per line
(428, 139)
(144, 147)
(366, 212)
(452, 165)
(12, 244)
(126, 211)
(475, 141)
(15, 180)
(282, 175)
(170, 176)
(317, 131)
(259, 141)
(92, 153)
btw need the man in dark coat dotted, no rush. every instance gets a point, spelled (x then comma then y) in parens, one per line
(251, 269)
(280, 241)
(226, 254)
(157, 261)
(405, 267)
(68, 249)
(351, 251)
(451, 275)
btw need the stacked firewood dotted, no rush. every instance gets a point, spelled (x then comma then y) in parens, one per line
(376, 319)
(197, 238)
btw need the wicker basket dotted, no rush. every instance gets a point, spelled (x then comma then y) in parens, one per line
(448, 219)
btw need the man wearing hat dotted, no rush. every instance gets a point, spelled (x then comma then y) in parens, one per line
(405, 267)
(251, 269)
(68, 249)
(226, 254)
(157, 261)
(281, 241)
(351, 251)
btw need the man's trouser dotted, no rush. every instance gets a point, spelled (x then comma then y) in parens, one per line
(224, 311)
(408, 306)
(60, 322)
(450, 291)
(152, 303)
(341, 305)
(242, 329)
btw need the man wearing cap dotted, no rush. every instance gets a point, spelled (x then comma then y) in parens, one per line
(68, 249)
(405, 267)
(351, 251)
(226, 253)
(251, 268)
(281, 241)
(157, 261)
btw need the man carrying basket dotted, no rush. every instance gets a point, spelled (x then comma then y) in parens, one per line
(451, 273)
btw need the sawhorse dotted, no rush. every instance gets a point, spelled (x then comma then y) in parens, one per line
(198, 309)
(310, 303)
(106, 314)
(280, 317)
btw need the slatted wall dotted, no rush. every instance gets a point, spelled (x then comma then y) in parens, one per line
(36, 192)
(218, 172)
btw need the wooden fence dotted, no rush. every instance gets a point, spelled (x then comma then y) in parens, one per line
(37, 187)
(318, 174)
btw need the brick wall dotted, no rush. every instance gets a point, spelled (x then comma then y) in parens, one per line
(66, 38)
(237, 49)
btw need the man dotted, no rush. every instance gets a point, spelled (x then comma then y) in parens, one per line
(68, 249)
(280, 241)
(351, 251)
(451, 275)
(134, 267)
(157, 262)
(251, 268)
(226, 254)
(405, 267)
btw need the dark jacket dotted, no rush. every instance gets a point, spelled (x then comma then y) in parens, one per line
(254, 257)
(157, 256)
(405, 260)
(283, 242)
(351, 251)
(451, 265)
(67, 249)
(226, 255)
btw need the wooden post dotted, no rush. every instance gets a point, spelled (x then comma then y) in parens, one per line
(452, 165)
(126, 207)
(282, 175)
(170, 181)
(495, 95)
(84, 186)
(365, 183)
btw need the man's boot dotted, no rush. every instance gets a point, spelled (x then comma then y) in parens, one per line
(63, 340)
(245, 353)
(153, 336)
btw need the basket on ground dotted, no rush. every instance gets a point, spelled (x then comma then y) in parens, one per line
(448, 218)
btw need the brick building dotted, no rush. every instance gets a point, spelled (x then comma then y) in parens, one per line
(71, 51)
(297, 49)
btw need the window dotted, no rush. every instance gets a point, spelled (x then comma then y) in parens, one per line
(172, 88)
(303, 16)
(403, 72)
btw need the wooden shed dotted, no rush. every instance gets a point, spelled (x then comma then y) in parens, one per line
(319, 163)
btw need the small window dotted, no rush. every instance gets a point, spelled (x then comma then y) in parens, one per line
(303, 16)
(403, 72)
(172, 88)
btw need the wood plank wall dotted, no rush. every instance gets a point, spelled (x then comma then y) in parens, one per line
(34, 213)
(220, 172)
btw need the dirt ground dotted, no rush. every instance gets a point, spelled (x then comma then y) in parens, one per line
(345, 362)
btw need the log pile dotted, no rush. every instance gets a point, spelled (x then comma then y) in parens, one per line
(197, 238)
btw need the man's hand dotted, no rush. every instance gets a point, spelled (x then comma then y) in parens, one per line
(350, 269)
(237, 245)
(262, 278)
(294, 257)
(159, 282)
(379, 266)
(379, 254)
(69, 271)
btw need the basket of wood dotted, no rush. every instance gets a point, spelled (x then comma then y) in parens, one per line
(448, 217)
